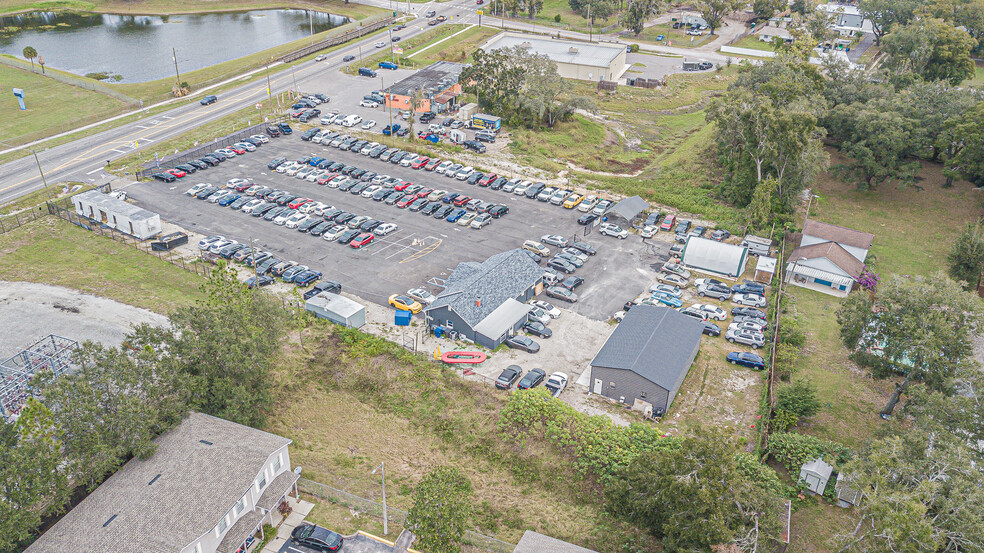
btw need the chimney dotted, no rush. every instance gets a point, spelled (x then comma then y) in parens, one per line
(478, 302)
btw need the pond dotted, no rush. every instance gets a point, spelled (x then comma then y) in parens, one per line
(138, 47)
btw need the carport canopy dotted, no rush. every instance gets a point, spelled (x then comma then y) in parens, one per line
(502, 319)
(629, 208)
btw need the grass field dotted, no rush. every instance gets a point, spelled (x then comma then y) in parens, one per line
(459, 49)
(51, 106)
(54, 251)
(753, 43)
(678, 38)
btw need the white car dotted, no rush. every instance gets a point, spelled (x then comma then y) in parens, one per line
(666, 289)
(408, 159)
(463, 173)
(320, 210)
(753, 300)
(540, 315)
(672, 279)
(587, 204)
(748, 325)
(214, 198)
(609, 229)
(206, 243)
(583, 257)
(352, 120)
(380, 44)
(556, 383)
(368, 125)
(296, 220)
(318, 138)
(747, 337)
(441, 167)
(547, 307)
(510, 185)
(281, 220)
(334, 232)
(322, 57)
(648, 231)
(421, 295)
(293, 170)
(368, 147)
(310, 207)
(315, 175)
(333, 183)
(618, 316)
(286, 166)
(261, 137)
(522, 187)
(370, 190)
(248, 206)
(328, 119)
(227, 152)
(197, 188)
(369, 104)
(601, 207)
(246, 146)
(712, 311)
(384, 229)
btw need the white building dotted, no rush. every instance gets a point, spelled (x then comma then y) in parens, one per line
(715, 258)
(586, 61)
(829, 258)
(118, 214)
(209, 486)
(846, 20)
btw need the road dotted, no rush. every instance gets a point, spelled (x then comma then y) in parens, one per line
(83, 160)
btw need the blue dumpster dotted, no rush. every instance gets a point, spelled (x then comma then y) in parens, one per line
(439, 331)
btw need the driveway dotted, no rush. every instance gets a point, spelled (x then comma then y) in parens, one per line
(359, 543)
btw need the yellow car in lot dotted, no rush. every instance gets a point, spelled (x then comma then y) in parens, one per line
(573, 200)
(405, 303)
(536, 247)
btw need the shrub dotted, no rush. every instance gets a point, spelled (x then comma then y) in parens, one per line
(798, 398)
(792, 450)
(633, 47)
(557, 18)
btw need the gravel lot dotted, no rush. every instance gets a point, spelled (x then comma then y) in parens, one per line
(421, 249)
(40, 310)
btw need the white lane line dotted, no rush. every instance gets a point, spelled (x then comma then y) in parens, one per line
(142, 127)
(118, 151)
(145, 140)
(94, 171)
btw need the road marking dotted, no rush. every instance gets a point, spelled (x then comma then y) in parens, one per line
(141, 127)
(166, 117)
(94, 171)
(117, 151)
(145, 140)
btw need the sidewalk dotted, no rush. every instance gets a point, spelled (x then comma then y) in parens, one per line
(301, 510)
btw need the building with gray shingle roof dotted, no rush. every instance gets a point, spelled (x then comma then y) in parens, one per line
(475, 292)
(647, 357)
(209, 485)
(533, 542)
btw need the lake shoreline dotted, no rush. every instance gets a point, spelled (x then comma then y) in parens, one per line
(111, 8)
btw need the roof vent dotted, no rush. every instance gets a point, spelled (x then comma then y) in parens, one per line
(154, 479)
(572, 50)
(111, 519)
(526, 44)
(478, 302)
(206, 442)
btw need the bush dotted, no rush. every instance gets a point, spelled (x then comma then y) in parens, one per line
(798, 398)
(783, 420)
(633, 47)
(790, 333)
(792, 450)
(557, 18)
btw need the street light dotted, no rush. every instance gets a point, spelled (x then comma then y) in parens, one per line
(382, 470)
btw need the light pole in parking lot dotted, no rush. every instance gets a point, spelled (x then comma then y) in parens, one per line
(382, 469)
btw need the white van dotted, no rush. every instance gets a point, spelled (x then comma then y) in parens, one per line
(351, 120)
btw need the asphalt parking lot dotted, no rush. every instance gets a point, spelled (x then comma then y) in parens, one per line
(421, 249)
(354, 544)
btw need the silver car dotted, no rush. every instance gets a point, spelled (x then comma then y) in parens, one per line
(747, 337)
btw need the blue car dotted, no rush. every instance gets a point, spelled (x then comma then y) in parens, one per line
(667, 299)
(224, 202)
(660, 37)
(388, 65)
(390, 129)
(285, 128)
(749, 288)
(455, 215)
(306, 278)
(746, 359)
(315, 161)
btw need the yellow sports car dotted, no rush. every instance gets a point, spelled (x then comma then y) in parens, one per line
(405, 303)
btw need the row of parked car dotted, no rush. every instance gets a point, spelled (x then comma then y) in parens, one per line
(249, 144)
(555, 383)
(558, 274)
(266, 266)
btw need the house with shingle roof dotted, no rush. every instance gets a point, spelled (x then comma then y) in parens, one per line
(486, 302)
(829, 259)
(209, 485)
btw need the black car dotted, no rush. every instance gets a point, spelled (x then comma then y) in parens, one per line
(535, 257)
(370, 225)
(749, 288)
(198, 164)
(276, 162)
(166, 177)
(273, 131)
(432, 208)
(745, 359)
(711, 329)
(508, 377)
(584, 247)
(209, 160)
(331, 286)
(187, 168)
(316, 537)
(561, 265)
(474, 146)
(210, 99)
(498, 183)
(443, 212)
(268, 264)
(348, 58)
(586, 219)
(320, 228)
(537, 328)
(309, 134)
(498, 211)
(523, 343)
(263, 280)
(344, 218)
(532, 379)
(306, 226)
(347, 236)
(748, 312)
(572, 282)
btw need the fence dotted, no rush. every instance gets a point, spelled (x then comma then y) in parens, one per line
(336, 40)
(89, 85)
(169, 162)
(10, 222)
(398, 516)
(197, 267)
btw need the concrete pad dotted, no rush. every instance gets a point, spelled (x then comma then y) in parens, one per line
(274, 545)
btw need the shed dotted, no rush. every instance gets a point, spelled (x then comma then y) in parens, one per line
(847, 495)
(626, 210)
(816, 473)
(765, 268)
(118, 214)
(337, 309)
(715, 258)
(501, 323)
(467, 110)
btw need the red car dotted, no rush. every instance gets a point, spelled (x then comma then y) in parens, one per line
(237, 149)
(403, 185)
(405, 201)
(298, 203)
(244, 186)
(668, 223)
(432, 164)
(363, 239)
(424, 192)
(324, 180)
(461, 200)
(176, 172)
(487, 179)
(297, 113)
(420, 162)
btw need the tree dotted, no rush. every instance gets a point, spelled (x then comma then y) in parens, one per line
(30, 53)
(638, 13)
(924, 329)
(593, 8)
(966, 14)
(963, 141)
(440, 511)
(921, 493)
(878, 140)
(933, 107)
(765, 9)
(695, 497)
(532, 7)
(931, 48)
(416, 100)
(965, 261)
(545, 95)
(883, 14)
(714, 11)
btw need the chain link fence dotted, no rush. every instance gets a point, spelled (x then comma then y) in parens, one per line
(10, 222)
(372, 508)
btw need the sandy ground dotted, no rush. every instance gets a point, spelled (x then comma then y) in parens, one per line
(30, 311)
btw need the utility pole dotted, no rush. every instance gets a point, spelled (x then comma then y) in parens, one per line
(382, 469)
(269, 89)
(311, 25)
(294, 77)
(590, 26)
(43, 180)
(174, 56)
(392, 45)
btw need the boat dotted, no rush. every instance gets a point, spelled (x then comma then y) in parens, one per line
(463, 357)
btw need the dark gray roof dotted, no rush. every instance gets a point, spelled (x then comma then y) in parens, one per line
(504, 275)
(200, 470)
(533, 542)
(629, 208)
(433, 79)
(653, 342)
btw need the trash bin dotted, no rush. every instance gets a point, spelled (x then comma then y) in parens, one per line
(439, 331)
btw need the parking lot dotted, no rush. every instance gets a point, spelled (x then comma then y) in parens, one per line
(352, 544)
(421, 250)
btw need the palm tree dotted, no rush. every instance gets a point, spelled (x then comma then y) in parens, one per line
(30, 53)
(416, 99)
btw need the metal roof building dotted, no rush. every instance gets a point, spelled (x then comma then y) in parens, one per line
(124, 217)
(713, 257)
(337, 309)
(647, 357)
(627, 209)
(209, 485)
(587, 61)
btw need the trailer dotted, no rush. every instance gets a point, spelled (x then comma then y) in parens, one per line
(487, 122)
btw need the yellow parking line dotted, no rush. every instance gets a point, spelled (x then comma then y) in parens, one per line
(423, 252)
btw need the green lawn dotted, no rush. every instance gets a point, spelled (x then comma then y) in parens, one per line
(677, 38)
(52, 106)
(753, 43)
(459, 49)
(54, 251)
(568, 19)
(978, 79)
